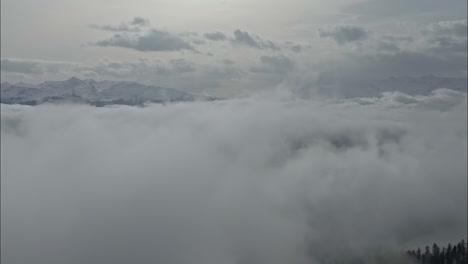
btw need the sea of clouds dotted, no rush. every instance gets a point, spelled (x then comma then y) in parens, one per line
(264, 179)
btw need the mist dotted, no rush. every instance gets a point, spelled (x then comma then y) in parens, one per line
(263, 179)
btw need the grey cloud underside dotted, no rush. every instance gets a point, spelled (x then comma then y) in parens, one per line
(247, 39)
(139, 35)
(244, 38)
(154, 40)
(140, 21)
(447, 36)
(293, 46)
(134, 25)
(458, 28)
(216, 36)
(238, 181)
(343, 34)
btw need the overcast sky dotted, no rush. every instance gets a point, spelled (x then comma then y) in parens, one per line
(265, 178)
(227, 47)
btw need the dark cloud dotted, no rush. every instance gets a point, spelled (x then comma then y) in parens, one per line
(253, 41)
(293, 46)
(132, 26)
(150, 39)
(215, 36)
(140, 21)
(154, 40)
(343, 34)
(446, 37)
(131, 35)
(243, 37)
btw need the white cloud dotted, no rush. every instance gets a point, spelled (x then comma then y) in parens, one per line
(440, 99)
(458, 28)
(239, 181)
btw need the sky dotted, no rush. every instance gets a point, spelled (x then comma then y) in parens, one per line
(229, 48)
(269, 175)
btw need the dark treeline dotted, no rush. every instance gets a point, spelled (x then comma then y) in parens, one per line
(451, 254)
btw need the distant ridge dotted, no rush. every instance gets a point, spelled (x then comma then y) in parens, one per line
(98, 93)
(420, 85)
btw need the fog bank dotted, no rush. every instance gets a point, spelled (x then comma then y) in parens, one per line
(254, 180)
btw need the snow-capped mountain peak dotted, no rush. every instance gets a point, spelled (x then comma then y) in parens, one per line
(91, 91)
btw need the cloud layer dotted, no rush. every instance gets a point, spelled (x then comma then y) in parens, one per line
(364, 56)
(257, 180)
(139, 35)
(154, 40)
(343, 34)
(15, 65)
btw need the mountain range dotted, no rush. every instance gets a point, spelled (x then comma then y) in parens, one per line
(420, 85)
(100, 93)
(93, 92)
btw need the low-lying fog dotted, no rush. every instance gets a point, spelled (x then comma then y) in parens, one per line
(260, 180)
